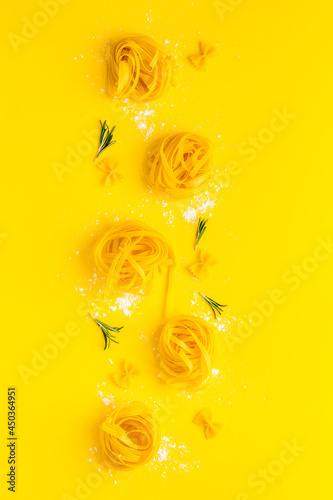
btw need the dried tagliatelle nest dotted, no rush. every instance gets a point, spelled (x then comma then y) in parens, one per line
(138, 68)
(130, 436)
(179, 164)
(131, 255)
(186, 347)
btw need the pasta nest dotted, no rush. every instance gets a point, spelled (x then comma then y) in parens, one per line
(130, 436)
(179, 164)
(138, 68)
(186, 347)
(131, 254)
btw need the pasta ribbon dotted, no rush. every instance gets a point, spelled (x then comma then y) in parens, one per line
(200, 269)
(205, 419)
(179, 164)
(130, 436)
(186, 347)
(132, 254)
(138, 68)
(124, 377)
(200, 61)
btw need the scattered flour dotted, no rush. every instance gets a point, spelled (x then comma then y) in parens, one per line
(144, 119)
(106, 401)
(162, 454)
(106, 398)
(173, 456)
(200, 204)
(190, 215)
(125, 303)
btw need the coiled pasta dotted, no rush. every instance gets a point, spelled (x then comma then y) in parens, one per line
(131, 254)
(138, 68)
(130, 436)
(186, 347)
(180, 163)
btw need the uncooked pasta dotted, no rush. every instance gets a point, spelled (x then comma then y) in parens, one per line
(130, 436)
(206, 260)
(110, 165)
(138, 68)
(200, 61)
(186, 347)
(124, 376)
(132, 254)
(205, 418)
(179, 164)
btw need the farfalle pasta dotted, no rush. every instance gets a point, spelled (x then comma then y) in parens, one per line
(110, 165)
(124, 376)
(129, 436)
(205, 419)
(138, 68)
(186, 347)
(200, 269)
(207, 51)
(131, 254)
(179, 164)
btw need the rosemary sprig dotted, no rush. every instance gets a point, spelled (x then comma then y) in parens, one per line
(105, 138)
(202, 226)
(106, 330)
(215, 307)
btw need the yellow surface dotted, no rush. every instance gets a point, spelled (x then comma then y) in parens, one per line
(274, 385)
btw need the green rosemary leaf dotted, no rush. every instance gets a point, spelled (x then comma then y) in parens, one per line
(105, 138)
(106, 341)
(201, 228)
(106, 330)
(107, 327)
(215, 306)
(107, 338)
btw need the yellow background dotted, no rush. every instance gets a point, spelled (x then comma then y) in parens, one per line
(276, 385)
